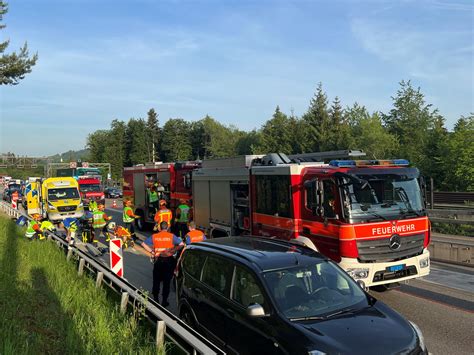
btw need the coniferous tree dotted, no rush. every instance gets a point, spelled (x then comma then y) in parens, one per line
(115, 149)
(153, 130)
(96, 145)
(437, 153)
(276, 134)
(410, 120)
(340, 131)
(13, 66)
(317, 121)
(298, 134)
(175, 144)
(136, 142)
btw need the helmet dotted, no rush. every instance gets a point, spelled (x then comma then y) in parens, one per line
(162, 202)
(111, 226)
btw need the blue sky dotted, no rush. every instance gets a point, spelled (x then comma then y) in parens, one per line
(233, 60)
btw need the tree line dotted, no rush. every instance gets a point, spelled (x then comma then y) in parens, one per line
(411, 129)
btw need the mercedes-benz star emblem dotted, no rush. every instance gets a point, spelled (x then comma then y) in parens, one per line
(395, 242)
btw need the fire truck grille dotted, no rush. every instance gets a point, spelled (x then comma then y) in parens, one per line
(66, 208)
(379, 250)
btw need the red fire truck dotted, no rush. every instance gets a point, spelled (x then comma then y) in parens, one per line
(173, 181)
(91, 190)
(367, 215)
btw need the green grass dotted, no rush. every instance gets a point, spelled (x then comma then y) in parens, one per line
(45, 307)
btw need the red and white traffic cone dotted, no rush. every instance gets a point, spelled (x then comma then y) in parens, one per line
(114, 204)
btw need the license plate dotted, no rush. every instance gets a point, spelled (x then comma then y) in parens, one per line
(396, 267)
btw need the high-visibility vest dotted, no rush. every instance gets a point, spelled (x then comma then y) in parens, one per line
(162, 241)
(98, 219)
(153, 196)
(184, 216)
(47, 225)
(195, 236)
(126, 217)
(163, 215)
(30, 230)
(93, 206)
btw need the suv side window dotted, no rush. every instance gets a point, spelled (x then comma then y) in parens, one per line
(218, 274)
(246, 290)
(193, 263)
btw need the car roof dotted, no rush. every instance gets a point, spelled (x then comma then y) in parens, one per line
(266, 253)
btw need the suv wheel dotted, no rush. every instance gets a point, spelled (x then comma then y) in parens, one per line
(188, 318)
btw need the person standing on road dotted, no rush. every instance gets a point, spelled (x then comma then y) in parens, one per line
(70, 224)
(182, 218)
(162, 246)
(163, 215)
(194, 235)
(99, 223)
(129, 218)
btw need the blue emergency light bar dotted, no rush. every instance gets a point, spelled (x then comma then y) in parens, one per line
(343, 163)
(360, 163)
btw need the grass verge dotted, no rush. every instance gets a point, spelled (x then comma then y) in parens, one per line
(45, 307)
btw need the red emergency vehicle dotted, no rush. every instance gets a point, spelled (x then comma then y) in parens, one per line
(367, 215)
(171, 180)
(91, 190)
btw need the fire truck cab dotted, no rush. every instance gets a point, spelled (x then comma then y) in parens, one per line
(367, 215)
(172, 182)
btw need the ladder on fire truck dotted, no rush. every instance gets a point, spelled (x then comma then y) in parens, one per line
(273, 159)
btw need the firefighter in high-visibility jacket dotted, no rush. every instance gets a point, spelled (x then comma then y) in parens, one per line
(33, 230)
(163, 215)
(46, 226)
(129, 218)
(162, 246)
(99, 223)
(182, 218)
(194, 235)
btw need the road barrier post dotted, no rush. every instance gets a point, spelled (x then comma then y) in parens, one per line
(100, 277)
(160, 333)
(116, 256)
(80, 270)
(124, 302)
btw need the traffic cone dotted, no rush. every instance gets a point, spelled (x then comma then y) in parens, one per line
(114, 204)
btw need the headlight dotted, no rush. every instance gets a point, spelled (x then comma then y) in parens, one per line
(425, 262)
(80, 205)
(358, 273)
(316, 352)
(421, 339)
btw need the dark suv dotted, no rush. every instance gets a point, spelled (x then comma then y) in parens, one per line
(257, 295)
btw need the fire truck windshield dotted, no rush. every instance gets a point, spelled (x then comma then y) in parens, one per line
(89, 188)
(383, 197)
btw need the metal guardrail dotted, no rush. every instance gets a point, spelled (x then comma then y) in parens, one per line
(451, 216)
(453, 198)
(167, 324)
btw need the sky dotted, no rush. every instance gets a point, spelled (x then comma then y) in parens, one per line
(101, 60)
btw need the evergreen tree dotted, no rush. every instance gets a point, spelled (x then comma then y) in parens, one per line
(249, 143)
(136, 142)
(13, 66)
(410, 120)
(115, 149)
(317, 121)
(175, 144)
(437, 154)
(276, 134)
(153, 130)
(298, 131)
(340, 131)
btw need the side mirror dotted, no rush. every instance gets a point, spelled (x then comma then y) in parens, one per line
(255, 310)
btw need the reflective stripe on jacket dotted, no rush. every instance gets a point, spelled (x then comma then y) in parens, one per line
(126, 217)
(98, 219)
(30, 230)
(184, 215)
(163, 215)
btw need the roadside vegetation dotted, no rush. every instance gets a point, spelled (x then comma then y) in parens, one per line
(453, 229)
(45, 307)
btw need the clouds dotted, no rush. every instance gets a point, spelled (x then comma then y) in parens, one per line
(233, 60)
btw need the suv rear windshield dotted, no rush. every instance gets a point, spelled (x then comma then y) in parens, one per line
(314, 290)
